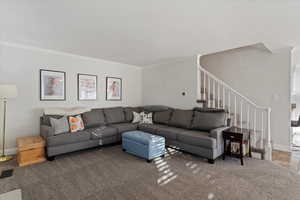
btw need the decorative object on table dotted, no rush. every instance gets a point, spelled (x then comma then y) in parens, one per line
(87, 87)
(113, 89)
(143, 144)
(240, 136)
(7, 91)
(76, 123)
(31, 150)
(52, 85)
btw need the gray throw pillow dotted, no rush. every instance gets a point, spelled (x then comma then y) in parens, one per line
(60, 125)
(206, 121)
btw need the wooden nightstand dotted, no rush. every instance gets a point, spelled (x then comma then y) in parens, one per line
(238, 135)
(30, 150)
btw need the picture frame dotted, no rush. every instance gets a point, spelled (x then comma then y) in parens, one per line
(87, 87)
(113, 89)
(52, 85)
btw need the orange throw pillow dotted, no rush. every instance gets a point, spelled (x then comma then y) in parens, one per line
(76, 123)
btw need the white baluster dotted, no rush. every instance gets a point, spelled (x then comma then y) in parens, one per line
(254, 127)
(269, 135)
(223, 100)
(214, 94)
(241, 113)
(208, 93)
(235, 121)
(229, 105)
(218, 103)
(262, 130)
(248, 117)
(204, 85)
(199, 84)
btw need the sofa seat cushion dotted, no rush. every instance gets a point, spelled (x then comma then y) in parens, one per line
(169, 132)
(150, 128)
(197, 138)
(102, 132)
(114, 115)
(68, 138)
(123, 127)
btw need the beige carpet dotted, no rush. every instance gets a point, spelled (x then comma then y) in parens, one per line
(109, 173)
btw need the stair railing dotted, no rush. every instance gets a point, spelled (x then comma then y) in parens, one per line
(213, 92)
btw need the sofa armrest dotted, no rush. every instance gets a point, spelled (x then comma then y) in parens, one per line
(217, 133)
(46, 131)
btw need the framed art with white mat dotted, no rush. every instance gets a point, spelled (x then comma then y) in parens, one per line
(87, 87)
(113, 89)
(52, 85)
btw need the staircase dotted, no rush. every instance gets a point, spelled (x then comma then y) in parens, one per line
(243, 112)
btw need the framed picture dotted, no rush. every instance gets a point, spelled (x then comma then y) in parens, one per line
(87, 87)
(113, 89)
(52, 85)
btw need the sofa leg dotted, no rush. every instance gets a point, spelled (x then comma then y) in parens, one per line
(50, 158)
(211, 161)
(149, 161)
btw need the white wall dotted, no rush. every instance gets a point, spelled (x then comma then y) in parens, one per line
(263, 77)
(164, 83)
(20, 65)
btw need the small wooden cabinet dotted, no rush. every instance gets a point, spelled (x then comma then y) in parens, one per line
(30, 150)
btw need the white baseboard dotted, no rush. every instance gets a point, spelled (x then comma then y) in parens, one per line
(281, 147)
(11, 151)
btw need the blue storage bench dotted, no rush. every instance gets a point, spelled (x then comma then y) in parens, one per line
(143, 144)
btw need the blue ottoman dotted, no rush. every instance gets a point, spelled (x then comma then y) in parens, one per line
(143, 144)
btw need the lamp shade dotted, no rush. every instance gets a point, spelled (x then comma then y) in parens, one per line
(8, 91)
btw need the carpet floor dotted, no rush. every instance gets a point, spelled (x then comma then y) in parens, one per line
(109, 173)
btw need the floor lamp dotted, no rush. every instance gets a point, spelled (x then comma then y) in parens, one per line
(6, 92)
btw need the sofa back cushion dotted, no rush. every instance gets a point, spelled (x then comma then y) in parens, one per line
(155, 108)
(206, 121)
(162, 117)
(93, 118)
(114, 115)
(129, 112)
(181, 118)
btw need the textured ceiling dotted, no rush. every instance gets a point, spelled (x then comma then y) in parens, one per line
(142, 33)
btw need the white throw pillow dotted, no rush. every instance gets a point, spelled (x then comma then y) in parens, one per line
(60, 125)
(147, 118)
(137, 117)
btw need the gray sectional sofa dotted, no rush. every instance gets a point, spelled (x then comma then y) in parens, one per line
(198, 131)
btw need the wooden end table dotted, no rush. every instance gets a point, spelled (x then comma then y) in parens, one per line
(30, 150)
(241, 136)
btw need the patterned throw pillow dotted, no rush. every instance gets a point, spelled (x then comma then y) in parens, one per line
(76, 123)
(146, 118)
(137, 117)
